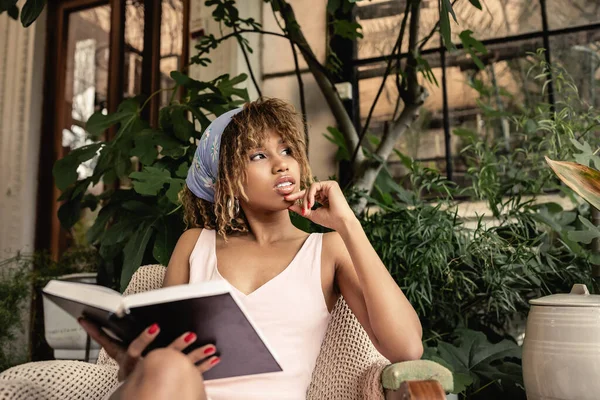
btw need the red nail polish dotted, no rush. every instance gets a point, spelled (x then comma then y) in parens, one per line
(210, 350)
(215, 361)
(189, 337)
(152, 330)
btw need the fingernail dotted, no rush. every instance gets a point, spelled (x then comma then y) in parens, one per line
(215, 361)
(210, 350)
(189, 337)
(152, 330)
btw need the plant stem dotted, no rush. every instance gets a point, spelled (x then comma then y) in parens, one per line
(385, 75)
(239, 39)
(300, 83)
(154, 94)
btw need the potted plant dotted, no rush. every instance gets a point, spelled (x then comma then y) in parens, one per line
(51, 326)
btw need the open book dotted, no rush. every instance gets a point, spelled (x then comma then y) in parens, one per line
(208, 309)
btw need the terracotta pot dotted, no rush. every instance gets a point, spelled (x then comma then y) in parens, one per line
(561, 351)
(63, 333)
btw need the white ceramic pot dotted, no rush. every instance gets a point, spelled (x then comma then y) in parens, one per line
(63, 333)
(561, 351)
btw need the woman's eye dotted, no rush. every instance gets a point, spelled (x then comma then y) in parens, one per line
(288, 151)
(257, 156)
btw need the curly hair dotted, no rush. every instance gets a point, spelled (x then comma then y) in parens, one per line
(248, 129)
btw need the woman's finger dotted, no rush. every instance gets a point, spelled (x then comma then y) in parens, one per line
(202, 353)
(295, 196)
(183, 341)
(112, 347)
(208, 364)
(310, 196)
(140, 343)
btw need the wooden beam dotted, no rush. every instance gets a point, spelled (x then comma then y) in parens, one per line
(116, 59)
(384, 9)
(151, 58)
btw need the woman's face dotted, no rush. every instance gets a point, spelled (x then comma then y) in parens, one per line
(272, 173)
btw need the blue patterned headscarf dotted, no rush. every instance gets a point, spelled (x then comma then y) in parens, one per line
(203, 172)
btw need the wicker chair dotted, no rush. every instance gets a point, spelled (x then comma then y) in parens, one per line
(348, 366)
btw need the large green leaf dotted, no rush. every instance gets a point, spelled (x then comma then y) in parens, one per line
(99, 122)
(168, 230)
(476, 4)
(585, 181)
(6, 5)
(99, 226)
(473, 355)
(587, 156)
(31, 10)
(186, 81)
(585, 236)
(150, 180)
(182, 126)
(347, 29)
(336, 137)
(65, 169)
(473, 46)
(69, 212)
(134, 252)
(445, 11)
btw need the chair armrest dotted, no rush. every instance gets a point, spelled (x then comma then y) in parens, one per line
(54, 380)
(417, 390)
(394, 375)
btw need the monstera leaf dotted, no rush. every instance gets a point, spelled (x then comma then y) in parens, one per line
(474, 361)
(585, 181)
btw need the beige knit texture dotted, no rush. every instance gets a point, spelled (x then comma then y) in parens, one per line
(348, 366)
(57, 380)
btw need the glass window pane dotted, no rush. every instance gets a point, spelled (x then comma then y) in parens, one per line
(424, 140)
(86, 88)
(86, 80)
(579, 54)
(381, 21)
(566, 14)
(134, 45)
(506, 84)
(171, 44)
(499, 18)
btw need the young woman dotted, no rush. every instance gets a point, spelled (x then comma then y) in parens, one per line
(249, 171)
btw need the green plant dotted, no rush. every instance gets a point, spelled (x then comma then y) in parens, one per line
(29, 13)
(476, 364)
(409, 95)
(14, 285)
(22, 276)
(481, 277)
(141, 222)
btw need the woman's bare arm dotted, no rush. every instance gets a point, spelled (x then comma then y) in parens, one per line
(178, 270)
(374, 297)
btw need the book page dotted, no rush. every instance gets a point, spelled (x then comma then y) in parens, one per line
(174, 293)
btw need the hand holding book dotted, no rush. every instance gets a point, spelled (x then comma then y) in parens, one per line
(207, 313)
(127, 358)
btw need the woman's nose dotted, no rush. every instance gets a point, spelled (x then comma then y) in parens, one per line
(280, 165)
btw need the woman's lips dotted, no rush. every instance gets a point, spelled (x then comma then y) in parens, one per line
(285, 190)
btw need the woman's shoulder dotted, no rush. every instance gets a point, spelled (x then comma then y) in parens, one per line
(191, 234)
(178, 268)
(187, 241)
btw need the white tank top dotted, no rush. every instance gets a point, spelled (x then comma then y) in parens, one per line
(290, 311)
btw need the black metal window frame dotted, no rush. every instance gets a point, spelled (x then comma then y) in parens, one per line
(347, 52)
